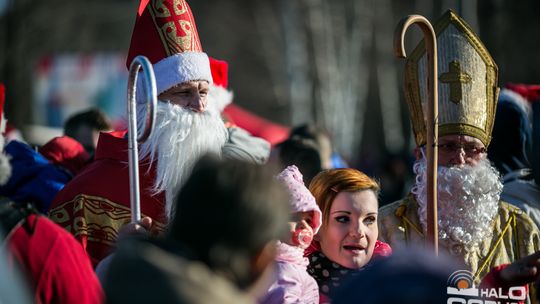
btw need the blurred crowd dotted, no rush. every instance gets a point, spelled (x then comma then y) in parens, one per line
(237, 209)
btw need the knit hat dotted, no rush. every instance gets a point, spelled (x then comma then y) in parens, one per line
(166, 34)
(67, 153)
(300, 198)
(531, 92)
(512, 133)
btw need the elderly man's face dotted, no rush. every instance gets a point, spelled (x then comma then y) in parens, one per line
(457, 150)
(191, 95)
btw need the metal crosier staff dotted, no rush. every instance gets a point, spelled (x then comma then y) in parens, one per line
(138, 63)
(430, 40)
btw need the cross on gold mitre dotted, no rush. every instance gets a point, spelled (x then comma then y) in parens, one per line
(455, 77)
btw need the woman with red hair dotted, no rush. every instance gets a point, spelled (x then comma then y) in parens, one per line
(347, 240)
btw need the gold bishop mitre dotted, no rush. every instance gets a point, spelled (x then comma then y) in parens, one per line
(467, 76)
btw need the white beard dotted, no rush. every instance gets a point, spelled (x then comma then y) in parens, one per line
(5, 165)
(220, 97)
(5, 168)
(180, 137)
(468, 201)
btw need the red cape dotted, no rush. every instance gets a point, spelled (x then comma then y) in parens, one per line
(95, 204)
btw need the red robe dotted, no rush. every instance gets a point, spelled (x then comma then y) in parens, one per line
(57, 268)
(96, 203)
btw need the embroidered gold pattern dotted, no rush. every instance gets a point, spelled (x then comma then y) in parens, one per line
(175, 26)
(97, 218)
(455, 77)
(173, 39)
(161, 10)
(179, 7)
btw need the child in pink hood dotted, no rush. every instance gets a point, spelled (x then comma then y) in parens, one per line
(293, 284)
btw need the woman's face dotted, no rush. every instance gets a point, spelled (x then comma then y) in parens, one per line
(350, 234)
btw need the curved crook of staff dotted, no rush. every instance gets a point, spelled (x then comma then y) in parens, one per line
(138, 63)
(430, 40)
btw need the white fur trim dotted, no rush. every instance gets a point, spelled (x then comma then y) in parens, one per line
(220, 97)
(180, 68)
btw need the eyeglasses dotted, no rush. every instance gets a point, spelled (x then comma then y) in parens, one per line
(469, 149)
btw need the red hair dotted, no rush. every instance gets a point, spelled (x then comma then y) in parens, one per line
(326, 185)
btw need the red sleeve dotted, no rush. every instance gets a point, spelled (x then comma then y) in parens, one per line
(58, 268)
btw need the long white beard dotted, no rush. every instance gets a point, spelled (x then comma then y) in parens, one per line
(179, 139)
(468, 201)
